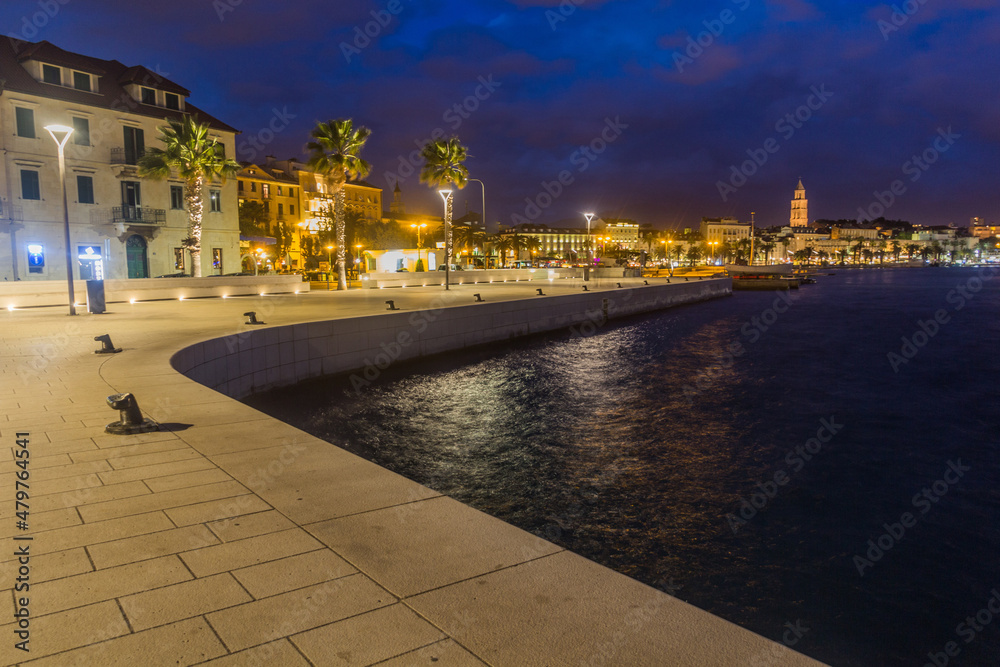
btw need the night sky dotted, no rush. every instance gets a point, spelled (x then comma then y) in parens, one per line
(675, 119)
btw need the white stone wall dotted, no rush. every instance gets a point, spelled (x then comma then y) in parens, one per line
(254, 360)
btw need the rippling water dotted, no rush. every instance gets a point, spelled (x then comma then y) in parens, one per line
(631, 446)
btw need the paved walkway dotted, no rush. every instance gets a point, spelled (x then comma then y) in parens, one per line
(230, 538)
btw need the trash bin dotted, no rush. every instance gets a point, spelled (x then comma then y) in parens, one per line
(95, 296)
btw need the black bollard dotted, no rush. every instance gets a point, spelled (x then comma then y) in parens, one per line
(478, 298)
(130, 420)
(540, 292)
(391, 304)
(252, 317)
(107, 347)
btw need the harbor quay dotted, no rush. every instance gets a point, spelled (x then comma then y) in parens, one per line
(227, 537)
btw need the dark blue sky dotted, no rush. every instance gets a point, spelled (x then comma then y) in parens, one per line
(682, 117)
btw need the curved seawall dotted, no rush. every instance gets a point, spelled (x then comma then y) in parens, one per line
(254, 360)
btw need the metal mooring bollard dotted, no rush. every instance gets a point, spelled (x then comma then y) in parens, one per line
(252, 317)
(107, 347)
(645, 282)
(540, 292)
(478, 298)
(391, 304)
(585, 289)
(131, 420)
(619, 284)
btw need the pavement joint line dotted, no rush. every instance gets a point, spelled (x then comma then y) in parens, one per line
(377, 509)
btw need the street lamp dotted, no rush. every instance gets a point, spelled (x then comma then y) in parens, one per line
(446, 197)
(586, 272)
(418, 228)
(65, 131)
(357, 259)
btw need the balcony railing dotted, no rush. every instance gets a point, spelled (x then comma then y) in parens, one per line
(139, 215)
(120, 156)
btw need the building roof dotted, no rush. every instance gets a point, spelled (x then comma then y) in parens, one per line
(113, 77)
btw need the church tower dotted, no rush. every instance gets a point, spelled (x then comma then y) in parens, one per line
(396, 206)
(800, 207)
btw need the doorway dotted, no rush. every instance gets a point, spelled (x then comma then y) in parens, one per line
(135, 257)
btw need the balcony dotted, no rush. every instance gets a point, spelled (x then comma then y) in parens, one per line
(138, 215)
(121, 156)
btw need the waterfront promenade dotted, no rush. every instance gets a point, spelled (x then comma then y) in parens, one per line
(231, 538)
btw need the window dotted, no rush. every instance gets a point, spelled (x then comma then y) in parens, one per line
(84, 190)
(291, 209)
(217, 258)
(176, 197)
(265, 190)
(279, 190)
(29, 184)
(281, 209)
(267, 207)
(215, 200)
(25, 122)
(36, 258)
(51, 74)
(291, 192)
(253, 187)
(179, 259)
(171, 101)
(81, 81)
(239, 185)
(148, 96)
(81, 131)
(135, 144)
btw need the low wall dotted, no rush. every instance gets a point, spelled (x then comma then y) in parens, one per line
(31, 293)
(374, 280)
(255, 360)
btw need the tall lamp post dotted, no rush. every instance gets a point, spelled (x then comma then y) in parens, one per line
(65, 132)
(357, 259)
(446, 196)
(586, 271)
(419, 228)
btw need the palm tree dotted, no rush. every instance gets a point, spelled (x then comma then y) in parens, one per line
(335, 155)
(196, 158)
(912, 249)
(443, 166)
(503, 243)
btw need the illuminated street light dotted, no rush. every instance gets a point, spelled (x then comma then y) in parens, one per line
(65, 131)
(586, 270)
(446, 197)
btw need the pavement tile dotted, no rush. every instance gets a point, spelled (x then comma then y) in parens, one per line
(251, 551)
(135, 461)
(187, 479)
(91, 533)
(246, 435)
(59, 485)
(250, 525)
(303, 609)
(388, 632)
(157, 501)
(419, 546)
(83, 589)
(317, 480)
(64, 631)
(276, 653)
(184, 600)
(71, 470)
(89, 495)
(153, 545)
(215, 510)
(281, 576)
(108, 453)
(41, 522)
(59, 564)
(184, 643)
(442, 654)
(161, 470)
(37, 463)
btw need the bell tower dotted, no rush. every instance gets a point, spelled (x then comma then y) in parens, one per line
(800, 207)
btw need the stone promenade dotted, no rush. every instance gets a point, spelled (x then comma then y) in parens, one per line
(230, 538)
